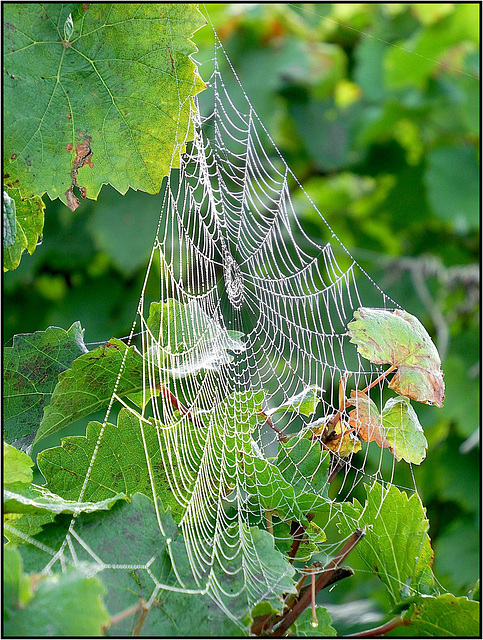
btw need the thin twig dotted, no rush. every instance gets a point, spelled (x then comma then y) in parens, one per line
(396, 622)
(179, 406)
(340, 574)
(326, 576)
(122, 615)
(392, 368)
(269, 521)
(144, 613)
(337, 465)
(312, 596)
(269, 422)
(298, 536)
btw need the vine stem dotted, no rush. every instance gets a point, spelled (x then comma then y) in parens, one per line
(392, 368)
(178, 405)
(269, 421)
(122, 615)
(144, 613)
(321, 582)
(396, 622)
(297, 537)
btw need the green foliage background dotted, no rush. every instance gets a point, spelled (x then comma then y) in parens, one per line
(375, 108)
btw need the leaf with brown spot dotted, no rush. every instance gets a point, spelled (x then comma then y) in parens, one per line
(399, 339)
(130, 89)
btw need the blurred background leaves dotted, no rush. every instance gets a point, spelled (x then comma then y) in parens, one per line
(376, 109)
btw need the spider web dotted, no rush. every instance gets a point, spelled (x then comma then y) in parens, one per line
(253, 316)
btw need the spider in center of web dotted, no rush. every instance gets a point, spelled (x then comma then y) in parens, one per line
(233, 280)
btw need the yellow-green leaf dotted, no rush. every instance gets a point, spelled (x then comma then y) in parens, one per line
(96, 94)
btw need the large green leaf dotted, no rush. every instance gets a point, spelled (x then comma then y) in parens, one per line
(62, 604)
(399, 339)
(96, 94)
(20, 496)
(31, 369)
(89, 384)
(445, 615)
(396, 546)
(120, 464)
(23, 221)
(126, 453)
(110, 536)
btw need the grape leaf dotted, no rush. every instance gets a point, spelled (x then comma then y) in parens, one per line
(31, 369)
(403, 431)
(127, 451)
(397, 428)
(23, 220)
(88, 385)
(109, 104)
(110, 536)
(189, 340)
(305, 625)
(63, 604)
(399, 339)
(445, 615)
(120, 465)
(304, 402)
(396, 546)
(304, 464)
(20, 496)
(366, 419)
